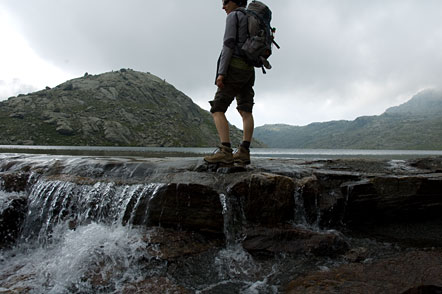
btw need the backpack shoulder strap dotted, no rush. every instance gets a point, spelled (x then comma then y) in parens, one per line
(242, 9)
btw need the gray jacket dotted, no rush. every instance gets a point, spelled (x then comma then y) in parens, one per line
(234, 37)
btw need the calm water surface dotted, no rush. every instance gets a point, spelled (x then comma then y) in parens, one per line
(195, 152)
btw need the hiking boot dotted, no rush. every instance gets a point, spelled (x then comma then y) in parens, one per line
(242, 156)
(223, 155)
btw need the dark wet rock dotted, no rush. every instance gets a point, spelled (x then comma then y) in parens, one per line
(433, 164)
(358, 254)
(327, 193)
(414, 233)
(155, 285)
(425, 289)
(193, 216)
(330, 201)
(13, 182)
(389, 198)
(218, 168)
(171, 244)
(267, 199)
(15, 285)
(295, 240)
(407, 272)
(322, 200)
(180, 206)
(12, 214)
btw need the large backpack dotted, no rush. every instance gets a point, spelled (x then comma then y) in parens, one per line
(258, 46)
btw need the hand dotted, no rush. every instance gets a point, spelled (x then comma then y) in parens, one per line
(220, 81)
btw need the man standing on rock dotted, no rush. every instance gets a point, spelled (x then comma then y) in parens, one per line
(235, 78)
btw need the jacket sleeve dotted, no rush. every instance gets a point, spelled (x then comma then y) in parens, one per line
(229, 43)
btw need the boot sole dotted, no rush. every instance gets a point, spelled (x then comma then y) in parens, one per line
(242, 162)
(226, 163)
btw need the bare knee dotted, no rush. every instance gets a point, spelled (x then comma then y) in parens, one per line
(218, 114)
(244, 114)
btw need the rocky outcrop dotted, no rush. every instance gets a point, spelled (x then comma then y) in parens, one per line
(393, 198)
(121, 108)
(266, 199)
(326, 193)
(179, 206)
(295, 240)
(322, 226)
(413, 272)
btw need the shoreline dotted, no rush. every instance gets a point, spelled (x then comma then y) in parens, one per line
(162, 152)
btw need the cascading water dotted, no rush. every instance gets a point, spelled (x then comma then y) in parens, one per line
(73, 240)
(52, 203)
(79, 238)
(300, 213)
(87, 228)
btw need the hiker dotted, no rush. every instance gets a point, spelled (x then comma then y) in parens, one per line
(235, 79)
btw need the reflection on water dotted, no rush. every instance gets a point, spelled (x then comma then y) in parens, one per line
(196, 151)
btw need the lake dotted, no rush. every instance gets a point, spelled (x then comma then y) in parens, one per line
(197, 152)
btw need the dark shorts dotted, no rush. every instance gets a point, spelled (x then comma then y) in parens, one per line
(238, 83)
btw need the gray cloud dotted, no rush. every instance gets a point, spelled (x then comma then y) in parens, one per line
(10, 88)
(339, 59)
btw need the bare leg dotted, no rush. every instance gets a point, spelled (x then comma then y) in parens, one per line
(248, 125)
(222, 126)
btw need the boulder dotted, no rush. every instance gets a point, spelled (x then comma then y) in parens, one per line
(170, 244)
(295, 240)
(266, 199)
(115, 132)
(393, 198)
(179, 206)
(64, 128)
(19, 115)
(432, 164)
(406, 273)
(13, 210)
(91, 125)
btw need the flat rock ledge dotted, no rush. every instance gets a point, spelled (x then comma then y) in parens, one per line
(416, 272)
(274, 206)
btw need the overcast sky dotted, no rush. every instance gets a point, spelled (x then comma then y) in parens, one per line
(339, 59)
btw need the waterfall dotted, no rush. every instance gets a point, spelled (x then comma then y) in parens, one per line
(234, 220)
(74, 237)
(55, 202)
(80, 236)
(300, 213)
(302, 218)
(111, 225)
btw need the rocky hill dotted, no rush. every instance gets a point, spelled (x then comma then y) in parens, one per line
(121, 108)
(416, 124)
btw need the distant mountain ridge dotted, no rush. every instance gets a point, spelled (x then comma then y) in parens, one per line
(427, 103)
(416, 124)
(120, 108)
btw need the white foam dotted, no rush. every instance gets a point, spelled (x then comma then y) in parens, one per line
(76, 258)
